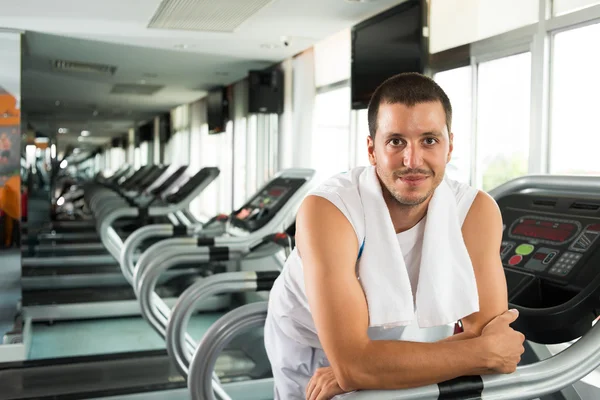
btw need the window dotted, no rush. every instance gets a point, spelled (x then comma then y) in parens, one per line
(332, 59)
(331, 135)
(361, 132)
(252, 155)
(574, 140)
(144, 153)
(137, 158)
(457, 85)
(561, 7)
(117, 158)
(239, 159)
(457, 22)
(216, 151)
(503, 105)
(195, 149)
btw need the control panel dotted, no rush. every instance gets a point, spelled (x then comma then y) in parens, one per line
(266, 203)
(549, 238)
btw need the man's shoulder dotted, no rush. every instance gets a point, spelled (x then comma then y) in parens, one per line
(343, 180)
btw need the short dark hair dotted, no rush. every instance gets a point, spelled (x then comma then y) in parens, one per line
(409, 89)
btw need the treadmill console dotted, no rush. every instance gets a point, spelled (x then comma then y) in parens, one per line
(265, 204)
(204, 176)
(551, 238)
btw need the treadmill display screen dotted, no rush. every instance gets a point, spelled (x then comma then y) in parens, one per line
(553, 231)
(266, 203)
(265, 200)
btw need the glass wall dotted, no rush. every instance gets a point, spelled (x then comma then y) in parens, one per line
(503, 100)
(457, 83)
(331, 134)
(574, 138)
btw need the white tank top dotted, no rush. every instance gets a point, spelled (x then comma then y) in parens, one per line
(288, 304)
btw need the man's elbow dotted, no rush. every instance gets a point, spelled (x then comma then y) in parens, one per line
(347, 377)
(350, 372)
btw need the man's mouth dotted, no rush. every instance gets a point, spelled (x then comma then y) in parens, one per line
(413, 180)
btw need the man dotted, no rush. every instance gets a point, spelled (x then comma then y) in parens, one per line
(318, 334)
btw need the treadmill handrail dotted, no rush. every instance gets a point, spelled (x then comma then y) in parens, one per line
(158, 258)
(227, 282)
(564, 183)
(146, 280)
(214, 341)
(111, 240)
(132, 243)
(153, 308)
(529, 381)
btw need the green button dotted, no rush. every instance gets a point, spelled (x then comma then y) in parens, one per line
(524, 249)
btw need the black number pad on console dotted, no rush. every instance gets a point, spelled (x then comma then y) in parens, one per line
(565, 264)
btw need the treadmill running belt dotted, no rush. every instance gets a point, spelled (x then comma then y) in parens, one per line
(87, 295)
(85, 377)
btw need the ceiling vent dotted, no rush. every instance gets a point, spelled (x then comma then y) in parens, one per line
(77, 66)
(136, 89)
(205, 15)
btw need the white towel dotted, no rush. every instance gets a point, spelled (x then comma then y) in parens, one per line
(447, 290)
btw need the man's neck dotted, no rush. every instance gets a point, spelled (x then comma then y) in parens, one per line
(403, 216)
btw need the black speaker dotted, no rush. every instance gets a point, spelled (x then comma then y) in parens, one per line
(145, 133)
(265, 94)
(164, 127)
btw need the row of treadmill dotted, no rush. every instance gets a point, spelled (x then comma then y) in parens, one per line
(129, 296)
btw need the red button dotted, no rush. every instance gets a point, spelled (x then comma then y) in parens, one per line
(514, 260)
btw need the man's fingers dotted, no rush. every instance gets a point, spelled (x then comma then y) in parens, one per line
(310, 388)
(316, 394)
(511, 315)
(507, 316)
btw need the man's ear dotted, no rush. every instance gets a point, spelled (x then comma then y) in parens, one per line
(371, 150)
(450, 148)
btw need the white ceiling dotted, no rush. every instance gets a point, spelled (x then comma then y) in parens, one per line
(116, 32)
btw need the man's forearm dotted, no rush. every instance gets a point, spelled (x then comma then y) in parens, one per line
(399, 365)
(459, 336)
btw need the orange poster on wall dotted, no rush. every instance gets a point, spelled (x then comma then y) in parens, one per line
(9, 114)
(10, 146)
(10, 138)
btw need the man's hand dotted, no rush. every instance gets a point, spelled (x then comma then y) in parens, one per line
(323, 385)
(503, 345)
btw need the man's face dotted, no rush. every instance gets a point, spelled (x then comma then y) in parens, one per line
(411, 149)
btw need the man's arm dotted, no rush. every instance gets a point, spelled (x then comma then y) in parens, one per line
(484, 251)
(328, 246)
(483, 241)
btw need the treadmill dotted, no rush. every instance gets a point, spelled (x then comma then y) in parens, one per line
(164, 184)
(145, 374)
(550, 253)
(87, 223)
(65, 292)
(80, 253)
(76, 231)
(56, 244)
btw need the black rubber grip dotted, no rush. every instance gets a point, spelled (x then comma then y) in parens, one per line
(265, 280)
(143, 213)
(205, 242)
(463, 388)
(180, 230)
(219, 254)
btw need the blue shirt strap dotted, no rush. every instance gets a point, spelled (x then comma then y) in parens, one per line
(362, 246)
